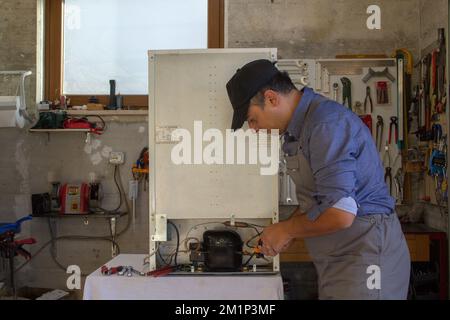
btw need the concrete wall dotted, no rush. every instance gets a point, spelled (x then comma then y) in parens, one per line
(303, 28)
(18, 44)
(322, 28)
(433, 15)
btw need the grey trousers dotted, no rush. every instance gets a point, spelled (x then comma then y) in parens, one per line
(369, 260)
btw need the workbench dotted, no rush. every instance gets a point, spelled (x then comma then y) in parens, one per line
(420, 239)
(179, 287)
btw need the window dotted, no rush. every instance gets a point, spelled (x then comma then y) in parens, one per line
(90, 42)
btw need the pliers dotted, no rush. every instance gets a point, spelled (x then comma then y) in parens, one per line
(388, 171)
(109, 271)
(368, 99)
(399, 180)
(346, 92)
(394, 123)
(388, 175)
(379, 136)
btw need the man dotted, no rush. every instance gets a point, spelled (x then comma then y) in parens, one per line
(345, 214)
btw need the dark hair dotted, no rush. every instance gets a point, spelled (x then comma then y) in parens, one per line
(280, 83)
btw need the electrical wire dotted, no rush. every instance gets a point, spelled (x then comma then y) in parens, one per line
(251, 256)
(118, 190)
(61, 238)
(256, 225)
(102, 120)
(201, 224)
(247, 243)
(162, 259)
(178, 241)
(127, 205)
(186, 250)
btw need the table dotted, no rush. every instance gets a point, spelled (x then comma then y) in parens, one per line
(179, 287)
(439, 238)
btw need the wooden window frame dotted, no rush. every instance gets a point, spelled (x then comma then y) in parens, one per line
(53, 58)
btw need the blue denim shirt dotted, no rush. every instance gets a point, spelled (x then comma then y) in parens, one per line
(342, 155)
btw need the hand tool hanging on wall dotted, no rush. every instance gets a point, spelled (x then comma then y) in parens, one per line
(433, 84)
(335, 91)
(404, 72)
(399, 180)
(367, 119)
(368, 100)
(358, 108)
(346, 92)
(388, 168)
(436, 130)
(427, 90)
(382, 92)
(414, 113)
(379, 134)
(393, 124)
(378, 74)
(438, 170)
(440, 70)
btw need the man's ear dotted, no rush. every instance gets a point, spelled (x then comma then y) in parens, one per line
(272, 98)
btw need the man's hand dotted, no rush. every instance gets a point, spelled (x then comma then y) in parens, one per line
(278, 237)
(275, 239)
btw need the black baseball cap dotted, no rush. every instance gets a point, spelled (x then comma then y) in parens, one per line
(244, 85)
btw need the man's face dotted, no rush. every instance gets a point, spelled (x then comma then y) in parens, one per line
(274, 114)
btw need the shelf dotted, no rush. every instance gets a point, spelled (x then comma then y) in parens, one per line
(83, 216)
(59, 130)
(102, 112)
(353, 66)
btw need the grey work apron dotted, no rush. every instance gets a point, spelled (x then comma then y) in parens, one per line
(349, 261)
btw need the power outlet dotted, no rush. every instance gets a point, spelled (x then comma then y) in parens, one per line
(117, 158)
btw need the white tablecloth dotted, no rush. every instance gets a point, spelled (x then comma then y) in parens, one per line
(179, 287)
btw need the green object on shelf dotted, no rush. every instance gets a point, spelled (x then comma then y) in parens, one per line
(51, 120)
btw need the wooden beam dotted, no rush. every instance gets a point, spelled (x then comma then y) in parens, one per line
(53, 48)
(216, 23)
(128, 100)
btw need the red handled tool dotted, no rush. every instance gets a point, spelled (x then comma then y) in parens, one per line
(394, 123)
(161, 272)
(367, 119)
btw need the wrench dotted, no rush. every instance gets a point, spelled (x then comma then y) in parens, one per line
(335, 91)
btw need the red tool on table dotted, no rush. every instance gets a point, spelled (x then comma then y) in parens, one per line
(161, 272)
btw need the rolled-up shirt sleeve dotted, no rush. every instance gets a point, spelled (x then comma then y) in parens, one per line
(332, 155)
